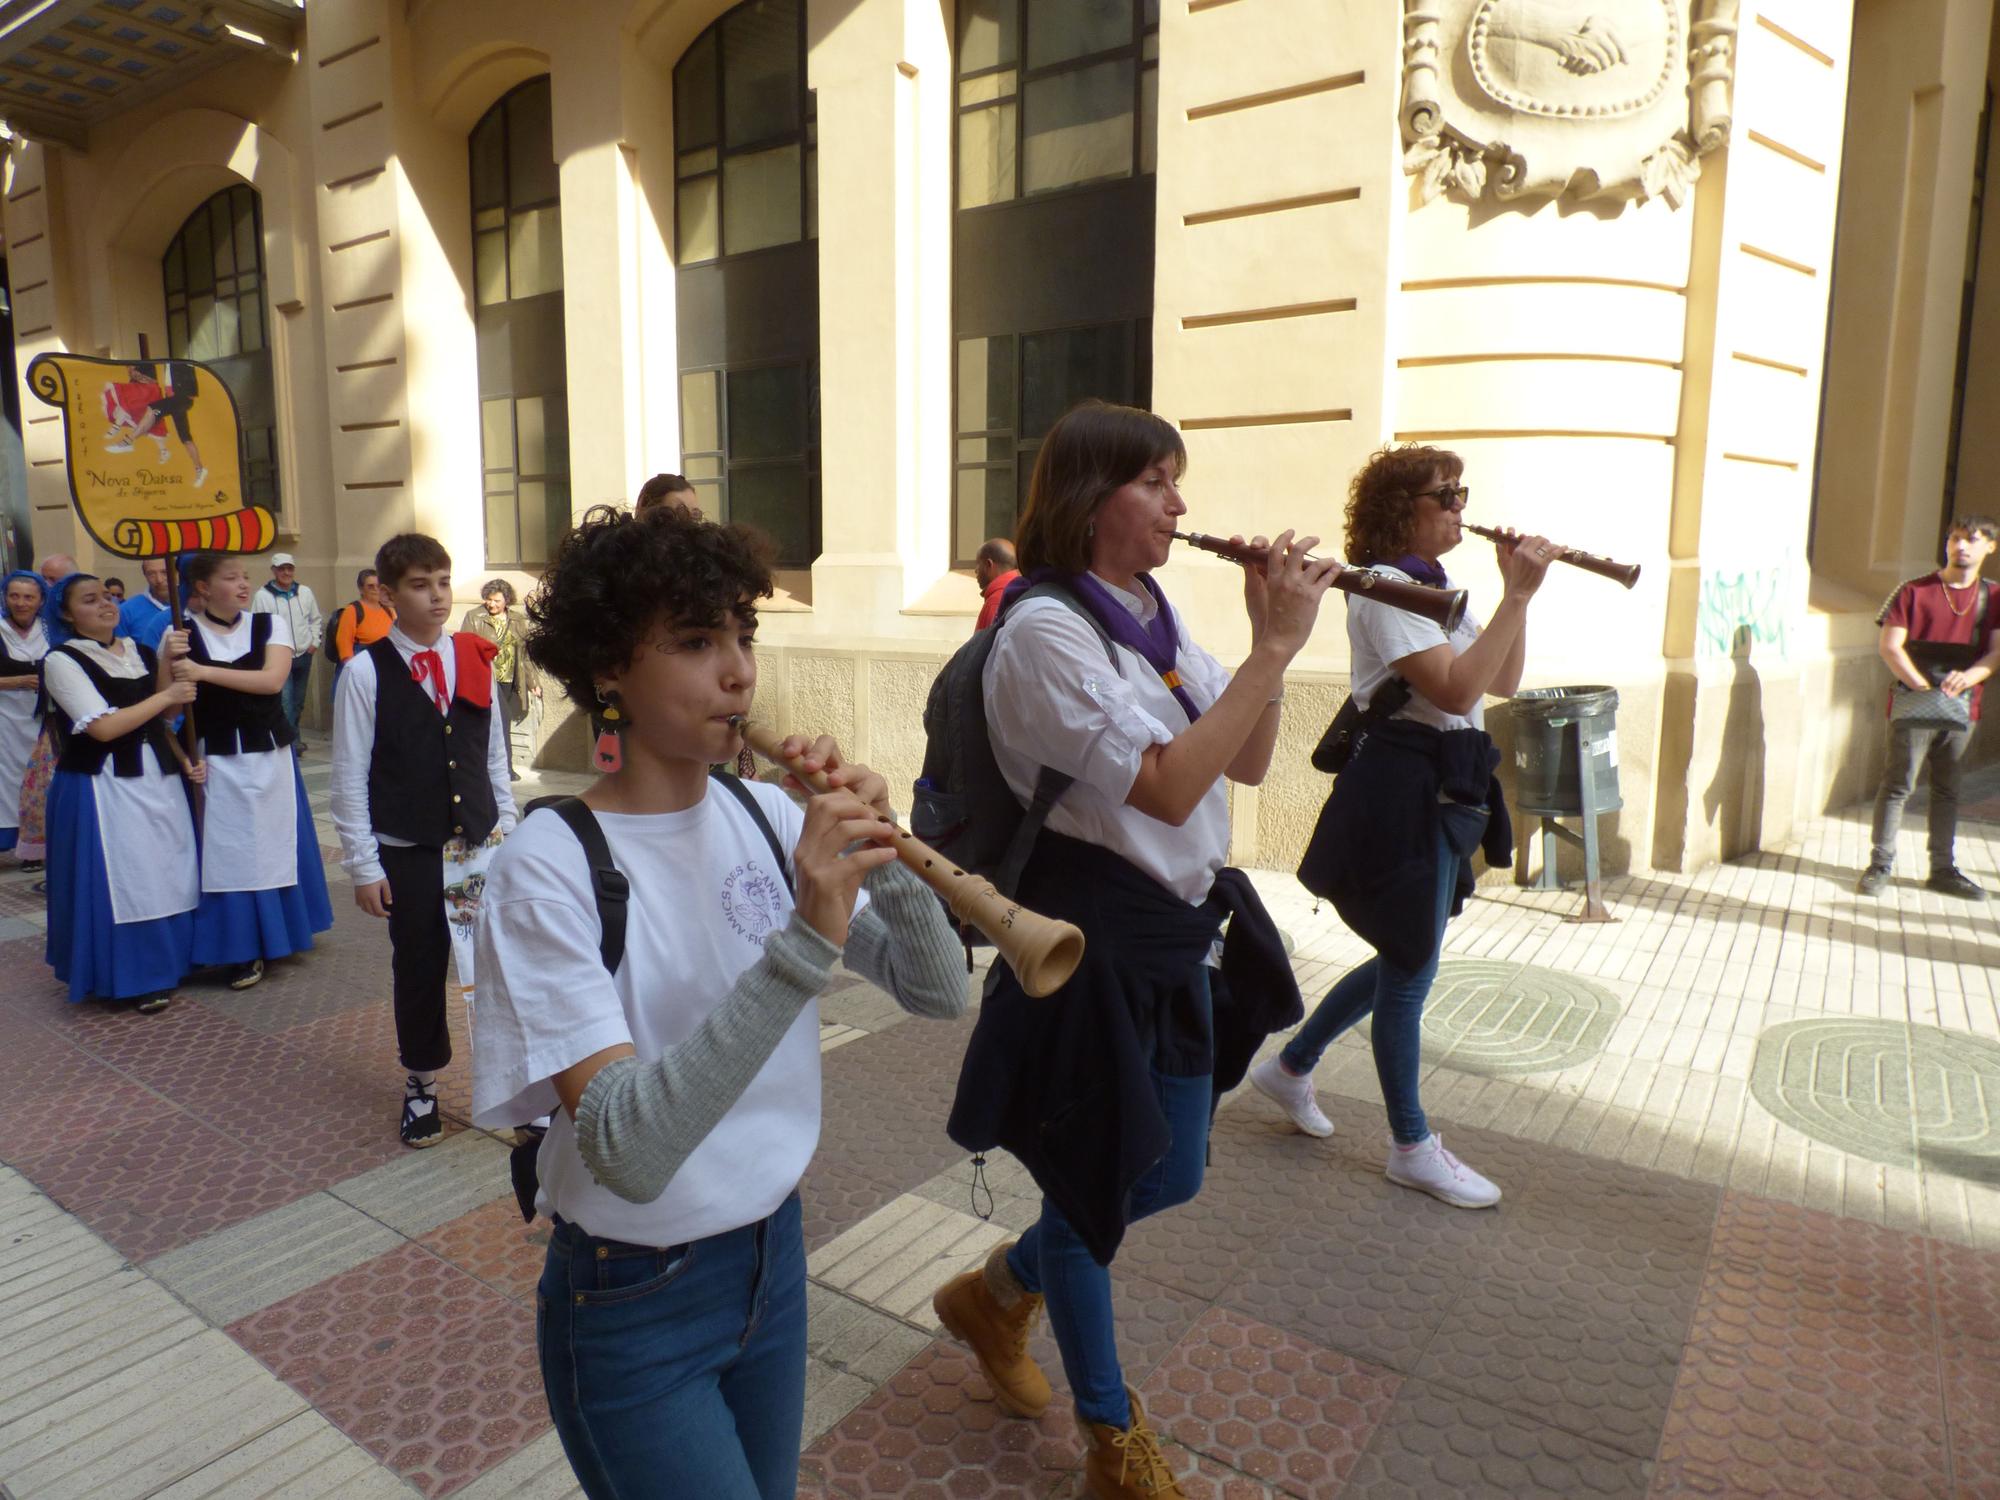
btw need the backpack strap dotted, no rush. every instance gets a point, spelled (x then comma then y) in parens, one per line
(613, 892)
(1050, 783)
(735, 786)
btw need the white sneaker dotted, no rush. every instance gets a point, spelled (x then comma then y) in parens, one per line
(200, 478)
(117, 447)
(1429, 1168)
(1294, 1095)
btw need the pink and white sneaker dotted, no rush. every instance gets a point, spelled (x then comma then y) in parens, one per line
(1429, 1168)
(1294, 1095)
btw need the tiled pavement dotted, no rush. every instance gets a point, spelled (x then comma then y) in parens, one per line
(1749, 1136)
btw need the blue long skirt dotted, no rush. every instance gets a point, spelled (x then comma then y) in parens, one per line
(233, 927)
(91, 952)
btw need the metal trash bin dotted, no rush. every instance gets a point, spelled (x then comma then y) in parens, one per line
(1566, 766)
(1549, 760)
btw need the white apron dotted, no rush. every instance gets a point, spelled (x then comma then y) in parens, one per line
(18, 724)
(250, 819)
(143, 823)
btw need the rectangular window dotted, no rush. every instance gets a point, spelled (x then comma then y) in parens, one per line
(760, 72)
(760, 199)
(1078, 126)
(986, 170)
(987, 32)
(1059, 30)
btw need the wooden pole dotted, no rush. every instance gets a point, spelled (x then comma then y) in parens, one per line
(186, 750)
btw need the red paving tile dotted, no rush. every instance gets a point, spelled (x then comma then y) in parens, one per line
(357, 1048)
(935, 1431)
(153, 1186)
(1812, 1367)
(1968, 1305)
(492, 1244)
(1268, 1405)
(431, 1371)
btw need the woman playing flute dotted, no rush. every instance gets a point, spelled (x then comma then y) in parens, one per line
(1104, 1090)
(1393, 845)
(684, 1083)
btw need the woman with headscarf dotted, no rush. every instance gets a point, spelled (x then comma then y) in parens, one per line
(24, 641)
(123, 882)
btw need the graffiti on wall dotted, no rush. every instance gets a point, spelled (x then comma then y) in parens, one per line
(1751, 606)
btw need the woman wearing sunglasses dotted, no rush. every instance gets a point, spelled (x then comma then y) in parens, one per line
(1393, 845)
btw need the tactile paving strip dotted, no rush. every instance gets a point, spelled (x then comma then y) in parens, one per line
(1495, 1019)
(1890, 1092)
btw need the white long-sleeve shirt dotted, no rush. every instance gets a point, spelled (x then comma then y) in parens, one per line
(354, 747)
(300, 610)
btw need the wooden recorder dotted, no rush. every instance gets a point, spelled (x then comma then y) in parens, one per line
(1041, 951)
(1445, 606)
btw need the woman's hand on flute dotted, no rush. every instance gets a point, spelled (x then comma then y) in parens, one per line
(843, 841)
(1292, 586)
(1524, 562)
(823, 754)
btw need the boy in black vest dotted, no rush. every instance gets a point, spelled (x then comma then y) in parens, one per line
(419, 758)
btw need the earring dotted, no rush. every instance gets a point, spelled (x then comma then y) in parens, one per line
(1089, 530)
(609, 755)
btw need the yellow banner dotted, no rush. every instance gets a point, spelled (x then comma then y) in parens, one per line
(153, 450)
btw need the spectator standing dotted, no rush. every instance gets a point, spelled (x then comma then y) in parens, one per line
(31, 845)
(993, 569)
(285, 596)
(24, 641)
(1938, 641)
(496, 619)
(115, 587)
(362, 621)
(145, 617)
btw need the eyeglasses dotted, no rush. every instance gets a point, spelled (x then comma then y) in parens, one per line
(1448, 496)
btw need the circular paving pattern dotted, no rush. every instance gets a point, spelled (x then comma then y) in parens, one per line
(1496, 1018)
(1904, 1095)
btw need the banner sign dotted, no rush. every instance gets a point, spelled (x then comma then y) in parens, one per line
(154, 455)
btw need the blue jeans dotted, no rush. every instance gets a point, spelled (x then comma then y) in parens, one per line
(679, 1371)
(1395, 996)
(292, 696)
(1051, 1259)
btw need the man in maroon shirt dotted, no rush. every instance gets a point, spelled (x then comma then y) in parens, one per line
(1937, 632)
(993, 569)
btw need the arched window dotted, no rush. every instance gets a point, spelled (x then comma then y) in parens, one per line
(1052, 269)
(518, 316)
(746, 218)
(213, 276)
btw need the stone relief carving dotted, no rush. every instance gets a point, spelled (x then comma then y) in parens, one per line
(1586, 99)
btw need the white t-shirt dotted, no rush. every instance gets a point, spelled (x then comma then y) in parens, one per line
(1053, 700)
(704, 898)
(1380, 635)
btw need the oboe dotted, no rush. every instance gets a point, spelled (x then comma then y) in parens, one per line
(1445, 606)
(1590, 562)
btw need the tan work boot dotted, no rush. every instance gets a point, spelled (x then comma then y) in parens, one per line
(1126, 1463)
(992, 1314)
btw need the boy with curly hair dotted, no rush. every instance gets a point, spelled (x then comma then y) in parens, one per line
(419, 770)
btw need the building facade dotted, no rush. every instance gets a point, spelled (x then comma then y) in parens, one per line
(472, 266)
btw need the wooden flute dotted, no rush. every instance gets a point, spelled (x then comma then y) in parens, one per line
(1590, 562)
(1445, 606)
(1042, 951)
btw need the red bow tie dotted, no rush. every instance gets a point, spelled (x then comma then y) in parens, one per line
(428, 664)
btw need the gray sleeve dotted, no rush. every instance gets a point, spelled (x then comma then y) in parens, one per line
(904, 944)
(639, 1121)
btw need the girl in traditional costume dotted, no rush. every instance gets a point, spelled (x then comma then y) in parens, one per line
(24, 641)
(123, 881)
(263, 885)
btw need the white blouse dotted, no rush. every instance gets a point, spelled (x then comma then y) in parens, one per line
(1053, 700)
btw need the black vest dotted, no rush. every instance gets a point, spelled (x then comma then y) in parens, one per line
(233, 722)
(19, 666)
(427, 778)
(80, 753)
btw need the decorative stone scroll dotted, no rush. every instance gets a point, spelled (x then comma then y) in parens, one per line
(1516, 99)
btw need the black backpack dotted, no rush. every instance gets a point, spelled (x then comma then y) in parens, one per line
(613, 894)
(333, 631)
(962, 805)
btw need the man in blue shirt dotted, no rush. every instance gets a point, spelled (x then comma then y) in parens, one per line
(146, 617)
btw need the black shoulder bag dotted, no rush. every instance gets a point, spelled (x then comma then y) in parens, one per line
(1351, 724)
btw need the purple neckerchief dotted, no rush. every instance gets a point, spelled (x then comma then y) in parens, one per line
(1157, 643)
(1421, 569)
